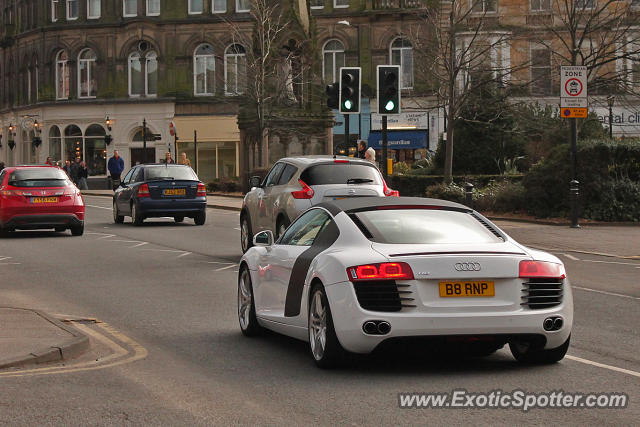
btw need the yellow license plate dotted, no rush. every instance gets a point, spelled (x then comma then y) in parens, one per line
(44, 200)
(470, 288)
(175, 192)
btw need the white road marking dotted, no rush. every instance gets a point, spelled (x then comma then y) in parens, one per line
(225, 268)
(184, 254)
(164, 250)
(106, 236)
(99, 207)
(602, 365)
(237, 228)
(612, 262)
(606, 293)
(5, 257)
(98, 234)
(10, 263)
(218, 262)
(571, 257)
(124, 241)
(139, 244)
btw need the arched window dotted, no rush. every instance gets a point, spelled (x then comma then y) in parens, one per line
(55, 143)
(332, 60)
(95, 150)
(143, 74)
(402, 55)
(72, 143)
(235, 70)
(35, 82)
(136, 78)
(151, 67)
(204, 68)
(87, 83)
(62, 75)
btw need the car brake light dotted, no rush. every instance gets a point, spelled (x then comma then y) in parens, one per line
(381, 271)
(202, 190)
(545, 269)
(340, 161)
(306, 192)
(389, 192)
(143, 191)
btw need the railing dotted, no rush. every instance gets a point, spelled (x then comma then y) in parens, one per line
(400, 4)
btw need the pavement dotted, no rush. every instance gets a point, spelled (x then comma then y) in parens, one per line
(30, 337)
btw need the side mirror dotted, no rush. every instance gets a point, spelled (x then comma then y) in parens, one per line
(264, 238)
(255, 181)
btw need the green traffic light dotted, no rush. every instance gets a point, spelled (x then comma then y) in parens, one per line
(348, 104)
(389, 106)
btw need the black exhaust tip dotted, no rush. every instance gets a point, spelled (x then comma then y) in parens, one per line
(370, 327)
(548, 324)
(557, 323)
(384, 328)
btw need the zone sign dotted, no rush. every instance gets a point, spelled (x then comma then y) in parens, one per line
(573, 87)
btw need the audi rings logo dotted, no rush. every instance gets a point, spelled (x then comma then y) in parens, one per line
(467, 266)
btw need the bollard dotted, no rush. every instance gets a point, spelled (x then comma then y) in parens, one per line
(574, 191)
(469, 194)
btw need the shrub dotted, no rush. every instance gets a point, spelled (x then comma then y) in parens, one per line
(416, 185)
(451, 192)
(401, 168)
(500, 196)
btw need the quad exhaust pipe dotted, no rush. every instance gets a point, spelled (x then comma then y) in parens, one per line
(553, 323)
(376, 327)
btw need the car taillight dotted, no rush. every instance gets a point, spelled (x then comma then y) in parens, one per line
(544, 269)
(389, 192)
(340, 161)
(306, 192)
(381, 271)
(202, 190)
(143, 191)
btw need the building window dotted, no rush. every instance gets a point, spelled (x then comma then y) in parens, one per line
(136, 78)
(486, 6)
(243, 5)
(317, 4)
(36, 80)
(235, 69)
(151, 81)
(143, 74)
(72, 9)
(340, 3)
(402, 55)
(196, 7)
(332, 60)
(87, 84)
(55, 144)
(54, 10)
(585, 4)
(540, 70)
(153, 7)
(540, 5)
(93, 9)
(129, 8)
(218, 6)
(204, 67)
(95, 150)
(62, 75)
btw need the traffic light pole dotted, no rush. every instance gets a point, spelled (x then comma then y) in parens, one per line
(385, 153)
(346, 132)
(144, 140)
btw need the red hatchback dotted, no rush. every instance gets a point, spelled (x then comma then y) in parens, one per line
(38, 197)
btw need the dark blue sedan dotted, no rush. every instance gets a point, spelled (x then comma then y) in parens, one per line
(160, 191)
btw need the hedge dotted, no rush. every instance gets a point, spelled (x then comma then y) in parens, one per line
(416, 185)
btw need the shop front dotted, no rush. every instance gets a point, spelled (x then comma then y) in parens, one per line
(403, 146)
(211, 144)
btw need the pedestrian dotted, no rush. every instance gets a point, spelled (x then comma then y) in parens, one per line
(83, 174)
(75, 171)
(48, 162)
(362, 148)
(370, 155)
(115, 166)
(184, 160)
(167, 158)
(67, 168)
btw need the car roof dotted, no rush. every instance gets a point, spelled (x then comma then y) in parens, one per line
(367, 203)
(304, 161)
(169, 165)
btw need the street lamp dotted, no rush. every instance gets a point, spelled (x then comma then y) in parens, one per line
(610, 100)
(107, 137)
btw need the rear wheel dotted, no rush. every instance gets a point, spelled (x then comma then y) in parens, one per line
(178, 218)
(323, 342)
(136, 216)
(117, 218)
(77, 230)
(246, 306)
(200, 218)
(526, 352)
(246, 239)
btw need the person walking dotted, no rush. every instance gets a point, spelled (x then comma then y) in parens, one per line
(115, 166)
(48, 162)
(67, 168)
(83, 174)
(75, 170)
(362, 148)
(167, 158)
(184, 160)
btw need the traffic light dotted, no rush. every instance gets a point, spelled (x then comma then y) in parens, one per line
(388, 89)
(333, 93)
(350, 90)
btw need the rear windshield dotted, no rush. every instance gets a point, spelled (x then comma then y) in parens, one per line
(39, 177)
(341, 173)
(422, 226)
(170, 172)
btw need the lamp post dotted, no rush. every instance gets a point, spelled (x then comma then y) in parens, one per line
(107, 137)
(610, 100)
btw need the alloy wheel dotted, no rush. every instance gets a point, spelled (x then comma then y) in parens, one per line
(318, 326)
(244, 235)
(244, 301)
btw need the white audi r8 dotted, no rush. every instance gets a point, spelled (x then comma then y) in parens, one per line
(351, 274)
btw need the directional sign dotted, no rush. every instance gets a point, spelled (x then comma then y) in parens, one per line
(573, 87)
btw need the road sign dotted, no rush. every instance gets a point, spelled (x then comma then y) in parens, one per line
(574, 113)
(573, 87)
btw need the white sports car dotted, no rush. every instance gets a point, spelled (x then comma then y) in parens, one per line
(351, 274)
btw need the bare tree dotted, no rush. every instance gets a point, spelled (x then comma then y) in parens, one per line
(460, 52)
